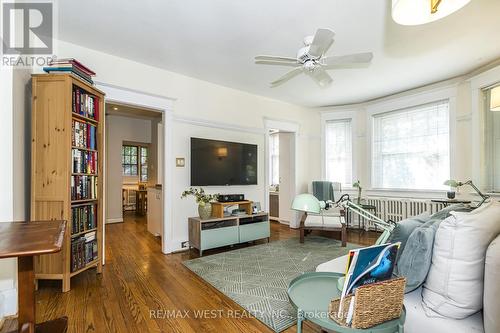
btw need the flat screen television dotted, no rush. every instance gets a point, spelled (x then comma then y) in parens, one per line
(218, 163)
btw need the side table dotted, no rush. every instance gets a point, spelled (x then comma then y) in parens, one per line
(447, 202)
(311, 293)
(25, 240)
(368, 207)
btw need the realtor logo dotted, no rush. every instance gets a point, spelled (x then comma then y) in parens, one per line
(27, 28)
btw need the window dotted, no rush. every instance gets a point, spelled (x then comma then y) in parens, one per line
(135, 161)
(411, 148)
(129, 160)
(274, 147)
(492, 139)
(338, 151)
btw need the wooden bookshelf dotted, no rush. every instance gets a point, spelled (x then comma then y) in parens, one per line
(52, 170)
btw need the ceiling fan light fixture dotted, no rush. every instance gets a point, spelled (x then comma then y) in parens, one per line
(416, 12)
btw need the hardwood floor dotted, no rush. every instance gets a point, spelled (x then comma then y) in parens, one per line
(138, 279)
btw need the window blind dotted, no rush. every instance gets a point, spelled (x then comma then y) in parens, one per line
(411, 148)
(338, 151)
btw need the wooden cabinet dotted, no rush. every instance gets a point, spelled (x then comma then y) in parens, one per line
(54, 172)
(274, 205)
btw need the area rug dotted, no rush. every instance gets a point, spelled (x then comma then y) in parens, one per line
(257, 277)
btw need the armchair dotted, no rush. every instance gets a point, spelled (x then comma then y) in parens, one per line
(317, 216)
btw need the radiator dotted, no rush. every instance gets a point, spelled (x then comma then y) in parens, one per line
(394, 209)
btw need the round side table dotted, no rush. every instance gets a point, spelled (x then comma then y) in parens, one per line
(311, 293)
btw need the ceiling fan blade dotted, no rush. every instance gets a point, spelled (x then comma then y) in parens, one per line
(351, 59)
(278, 63)
(294, 72)
(275, 58)
(321, 77)
(322, 41)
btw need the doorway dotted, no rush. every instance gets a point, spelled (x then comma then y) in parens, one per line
(281, 138)
(133, 183)
(163, 105)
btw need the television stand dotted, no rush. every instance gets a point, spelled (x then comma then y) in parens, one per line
(222, 231)
(218, 207)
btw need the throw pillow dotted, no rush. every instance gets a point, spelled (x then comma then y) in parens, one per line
(454, 286)
(491, 292)
(445, 212)
(415, 260)
(404, 228)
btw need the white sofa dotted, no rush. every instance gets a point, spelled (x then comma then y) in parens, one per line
(487, 320)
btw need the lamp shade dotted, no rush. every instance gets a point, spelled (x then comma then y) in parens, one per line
(415, 12)
(495, 99)
(452, 183)
(306, 203)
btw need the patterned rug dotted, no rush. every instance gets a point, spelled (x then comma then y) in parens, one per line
(257, 277)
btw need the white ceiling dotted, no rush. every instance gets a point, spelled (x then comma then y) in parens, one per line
(216, 41)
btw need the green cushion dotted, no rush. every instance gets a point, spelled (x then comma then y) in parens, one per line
(415, 260)
(404, 229)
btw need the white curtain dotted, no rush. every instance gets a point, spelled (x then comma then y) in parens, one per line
(338, 151)
(411, 148)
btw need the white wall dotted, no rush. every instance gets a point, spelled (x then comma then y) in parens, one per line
(205, 109)
(119, 129)
(15, 99)
(8, 267)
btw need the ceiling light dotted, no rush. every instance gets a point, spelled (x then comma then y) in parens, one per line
(495, 99)
(415, 12)
(115, 108)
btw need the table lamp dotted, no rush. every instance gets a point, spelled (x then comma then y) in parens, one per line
(456, 184)
(308, 203)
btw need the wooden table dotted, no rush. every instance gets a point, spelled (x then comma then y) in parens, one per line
(25, 240)
(218, 207)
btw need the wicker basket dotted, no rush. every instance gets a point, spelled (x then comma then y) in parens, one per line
(373, 304)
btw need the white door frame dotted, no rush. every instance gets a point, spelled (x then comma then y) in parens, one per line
(115, 94)
(289, 127)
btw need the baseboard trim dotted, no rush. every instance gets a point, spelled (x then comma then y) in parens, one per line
(117, 220)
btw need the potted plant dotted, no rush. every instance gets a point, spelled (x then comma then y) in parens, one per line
(203, 200)
(357, 184)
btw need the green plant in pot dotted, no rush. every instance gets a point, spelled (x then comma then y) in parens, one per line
(357, 185)
(203, 200)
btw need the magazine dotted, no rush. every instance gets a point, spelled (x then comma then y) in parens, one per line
(368, 265)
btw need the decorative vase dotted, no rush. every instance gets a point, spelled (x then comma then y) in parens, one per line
(205, 211)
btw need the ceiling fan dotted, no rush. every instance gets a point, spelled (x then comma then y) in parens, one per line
(311, 59)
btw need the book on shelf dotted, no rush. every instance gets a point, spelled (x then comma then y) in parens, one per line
(85, 104)
(83, 218)
(365, 266)
(83, 187)
(70, 65)
(83, 250)
(83, 135)
(84, 161)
